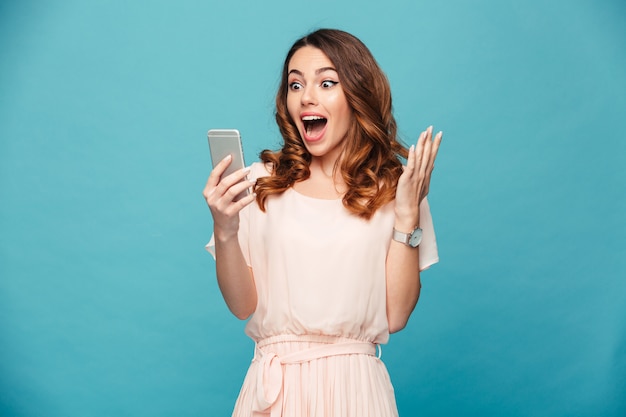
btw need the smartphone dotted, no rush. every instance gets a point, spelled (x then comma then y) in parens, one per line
(223, 142)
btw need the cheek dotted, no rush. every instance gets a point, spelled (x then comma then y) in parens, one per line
(340, 105)
(345, 113)
(292, 106)
(346, 116)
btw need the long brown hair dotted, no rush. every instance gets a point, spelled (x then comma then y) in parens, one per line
(369, 162)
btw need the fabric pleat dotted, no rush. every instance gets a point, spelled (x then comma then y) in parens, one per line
(342, 385)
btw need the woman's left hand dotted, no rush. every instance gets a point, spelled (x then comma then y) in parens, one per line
(414, 182)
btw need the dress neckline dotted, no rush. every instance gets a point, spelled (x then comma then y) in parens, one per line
(293, 190)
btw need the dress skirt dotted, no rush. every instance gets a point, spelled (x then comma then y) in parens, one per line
(316, 376)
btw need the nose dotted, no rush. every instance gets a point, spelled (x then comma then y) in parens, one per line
(309, 95)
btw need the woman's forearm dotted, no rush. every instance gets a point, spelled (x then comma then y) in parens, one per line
(403, 284)
(235, 278)
(403, 276)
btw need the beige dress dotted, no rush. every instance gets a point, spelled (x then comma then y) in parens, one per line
(321, 314)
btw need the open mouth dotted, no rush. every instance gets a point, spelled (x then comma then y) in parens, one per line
(314, 125)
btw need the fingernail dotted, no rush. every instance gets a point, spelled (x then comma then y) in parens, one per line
(430, 129)
(247, 169)
(229, 156)
(412, 148)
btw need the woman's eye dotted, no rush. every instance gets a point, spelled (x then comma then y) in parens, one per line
(328, 83)
(295, 85)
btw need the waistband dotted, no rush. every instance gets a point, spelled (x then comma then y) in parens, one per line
(269, 383)
(323, 344)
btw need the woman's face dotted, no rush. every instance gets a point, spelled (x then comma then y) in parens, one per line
(316, 102)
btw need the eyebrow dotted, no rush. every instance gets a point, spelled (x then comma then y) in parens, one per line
(317, 71)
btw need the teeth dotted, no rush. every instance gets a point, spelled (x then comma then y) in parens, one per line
(309, 122)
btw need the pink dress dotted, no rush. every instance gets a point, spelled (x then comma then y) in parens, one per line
(321, 314)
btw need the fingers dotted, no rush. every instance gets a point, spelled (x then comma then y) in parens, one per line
(228, 205)
(217, 172)
(228, 187)
(244, 201)
(421, 158)
(419, 149)
(433, 151)
(238, 190)
(429, 162)
(425, 157)
(228, 198)
(410, 161)
(413, 160)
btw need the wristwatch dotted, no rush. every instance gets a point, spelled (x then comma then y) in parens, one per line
(412, 239)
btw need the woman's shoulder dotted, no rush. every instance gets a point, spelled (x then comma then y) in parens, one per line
(259, 170)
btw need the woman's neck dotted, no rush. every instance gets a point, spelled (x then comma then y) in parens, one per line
(325, 181)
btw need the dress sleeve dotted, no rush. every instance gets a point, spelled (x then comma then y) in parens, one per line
(428, 248)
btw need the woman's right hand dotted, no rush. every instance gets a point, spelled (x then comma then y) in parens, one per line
(220, 193)
(234, 276)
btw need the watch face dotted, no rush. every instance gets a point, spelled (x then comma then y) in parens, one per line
(416, 238)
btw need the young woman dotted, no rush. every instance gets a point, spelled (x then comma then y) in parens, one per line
(325, 255)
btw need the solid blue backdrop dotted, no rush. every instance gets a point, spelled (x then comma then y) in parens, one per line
(108, 301)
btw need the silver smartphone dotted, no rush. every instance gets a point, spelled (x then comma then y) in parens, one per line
(223, 142)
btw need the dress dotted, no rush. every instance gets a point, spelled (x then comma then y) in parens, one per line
(321, 312)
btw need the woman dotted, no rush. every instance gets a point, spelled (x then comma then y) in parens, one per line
(327, 260)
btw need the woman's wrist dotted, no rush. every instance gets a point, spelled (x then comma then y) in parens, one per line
(406, 225)
(224, 236)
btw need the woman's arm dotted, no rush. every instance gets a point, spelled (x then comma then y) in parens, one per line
(403, 283)
(402, 265)
(234, 277)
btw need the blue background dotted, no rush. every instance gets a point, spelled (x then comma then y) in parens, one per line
(108, 301)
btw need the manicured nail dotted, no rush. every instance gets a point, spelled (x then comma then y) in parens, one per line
(227, 157)
(247, 169)
(412, 148)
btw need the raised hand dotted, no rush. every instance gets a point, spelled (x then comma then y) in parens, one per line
(220, 194)
(414, 183)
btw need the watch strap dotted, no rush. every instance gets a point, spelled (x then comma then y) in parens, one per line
(401, 237)
(408, 238)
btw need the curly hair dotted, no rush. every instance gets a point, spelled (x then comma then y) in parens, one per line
(369, 163)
